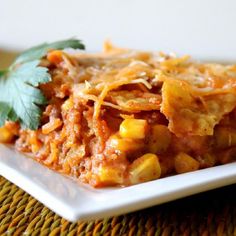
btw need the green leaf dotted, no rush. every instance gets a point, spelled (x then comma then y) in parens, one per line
(19, 97)
(6, 113)
(40, 51)
(2, 72)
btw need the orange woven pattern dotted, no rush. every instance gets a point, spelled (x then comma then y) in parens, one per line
(212, 213)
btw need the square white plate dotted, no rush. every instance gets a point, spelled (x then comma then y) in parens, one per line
(75, 201)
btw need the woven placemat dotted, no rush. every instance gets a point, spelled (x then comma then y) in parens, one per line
(210, 213)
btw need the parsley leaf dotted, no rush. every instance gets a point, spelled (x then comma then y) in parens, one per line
(2, 72)
(20, 98)
(6, 113)
(40, 51)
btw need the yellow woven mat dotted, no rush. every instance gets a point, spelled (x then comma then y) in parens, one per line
(211, 213)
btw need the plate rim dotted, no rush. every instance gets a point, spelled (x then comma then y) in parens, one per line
(100, 199)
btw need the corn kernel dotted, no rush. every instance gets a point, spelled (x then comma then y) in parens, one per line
(145, 168)
(185, 163)
(160, 139)
(110, 175)
(133, 128)
(124, 144)
(5, 135)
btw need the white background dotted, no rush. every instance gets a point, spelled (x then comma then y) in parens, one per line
(202, 28)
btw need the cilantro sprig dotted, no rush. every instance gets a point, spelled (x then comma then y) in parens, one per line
(20, 98)
(40, 51)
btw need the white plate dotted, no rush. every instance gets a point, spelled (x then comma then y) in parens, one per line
(75, 201)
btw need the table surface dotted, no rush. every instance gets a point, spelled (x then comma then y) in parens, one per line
(209, 213)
